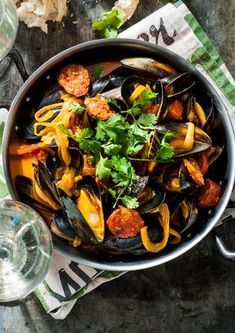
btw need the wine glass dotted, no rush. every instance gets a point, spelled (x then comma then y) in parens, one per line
(25, 250)
(8, 31)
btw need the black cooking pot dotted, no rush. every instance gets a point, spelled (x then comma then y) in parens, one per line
(103, 50)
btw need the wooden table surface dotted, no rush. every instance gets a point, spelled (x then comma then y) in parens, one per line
(196, 292)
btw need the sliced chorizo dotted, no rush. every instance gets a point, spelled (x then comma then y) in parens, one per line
(210, 194)
(74, 79)
(125, 223)
(194, 170)
(98, 107)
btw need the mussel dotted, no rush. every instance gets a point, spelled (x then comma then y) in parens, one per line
(200, 110)
(110, 81)
(187, 138)
(184, 215)
(85, 211)
(40, 190)
(150, 199)
(148, 67)
(177, 84)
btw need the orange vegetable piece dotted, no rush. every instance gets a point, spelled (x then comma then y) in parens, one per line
(194, 170)
(175, 110)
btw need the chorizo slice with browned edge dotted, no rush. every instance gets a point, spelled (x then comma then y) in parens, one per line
(74, 79)
(98, 107)
(125, 223)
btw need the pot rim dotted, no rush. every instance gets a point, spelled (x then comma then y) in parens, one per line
(134, 264)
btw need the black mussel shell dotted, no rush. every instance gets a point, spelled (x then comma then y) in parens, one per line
(148, 67)
(63, 224)
(51, 97)
(153, 203)
(76, 219)
(178, 84)
(45, 180)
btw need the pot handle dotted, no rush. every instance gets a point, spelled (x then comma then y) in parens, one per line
(223, 249)
(18, 60)
(228, 218)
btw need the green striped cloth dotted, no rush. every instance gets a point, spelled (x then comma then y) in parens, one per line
(174, 27)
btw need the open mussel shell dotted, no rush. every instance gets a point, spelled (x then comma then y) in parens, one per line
(199, 139)
(184, 215)
(53, 161)
(178, 84)
(200, 109)
(62, 223)
(44, 179)
(150, 199)
(40, 199)
(76, 220)
(51, 97)
(110, 81)
(123, 92)
(148, 67)
(86, 214)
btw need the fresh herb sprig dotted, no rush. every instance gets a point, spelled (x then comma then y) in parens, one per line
(166, 151)
(109, 24)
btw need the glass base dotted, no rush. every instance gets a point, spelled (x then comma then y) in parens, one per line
(5, 65)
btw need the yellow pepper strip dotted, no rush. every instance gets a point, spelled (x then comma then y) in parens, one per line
(43, 115)
(137, 93)
(200, 113)
(164, 220)
(187, 143)
(177, 235)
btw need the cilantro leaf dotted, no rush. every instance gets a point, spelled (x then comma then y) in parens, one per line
(112, 129)
(87, 143)
(103, 168)
(112, 148)
(109, 23)
(130, 202)
(146, 99)
(97, 72)
(166, 151)
(123, 173)
(76, 107)
(147, 120)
